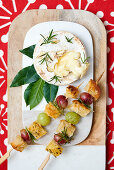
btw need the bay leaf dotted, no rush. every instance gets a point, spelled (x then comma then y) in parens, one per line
(25, 76)
(27, 93)
(36, 93)
(28, 51)
(50, 92)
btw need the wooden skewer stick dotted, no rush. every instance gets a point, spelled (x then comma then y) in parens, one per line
(5, 156)
(99, 78)
(44, 162)
(80, 84)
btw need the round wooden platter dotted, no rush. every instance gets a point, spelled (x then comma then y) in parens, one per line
(17, 32)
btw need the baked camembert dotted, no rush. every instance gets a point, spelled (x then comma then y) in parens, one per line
(60, 58)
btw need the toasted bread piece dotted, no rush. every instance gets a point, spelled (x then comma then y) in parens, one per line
(19, 144)
(52, 111)
(54, 148)
(79, 108)
(72, 92)
(93, 89)
(37, 130)
(66, 125)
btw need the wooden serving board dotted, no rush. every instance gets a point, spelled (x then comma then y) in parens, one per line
(17, 32)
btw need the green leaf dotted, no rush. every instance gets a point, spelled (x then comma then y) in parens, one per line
(25, 76)
(50, 91)
(27, 93)
(28, 51)
(36, 93)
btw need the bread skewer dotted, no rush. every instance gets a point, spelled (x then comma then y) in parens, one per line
(54, 147)
(93, 89)
(20, 143)
(48, 156)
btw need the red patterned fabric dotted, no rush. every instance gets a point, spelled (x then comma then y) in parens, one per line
(104, 9)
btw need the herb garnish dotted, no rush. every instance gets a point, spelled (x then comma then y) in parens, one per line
(69, 39)
(85, 59)
(45, 59)
(56, 105)
(64, 136)
(49, 39)
(56, 78)
(30, 134)
(84, 103)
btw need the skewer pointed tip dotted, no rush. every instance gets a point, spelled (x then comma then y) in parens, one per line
(97, 81)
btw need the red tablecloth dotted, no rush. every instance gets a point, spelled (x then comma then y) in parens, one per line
(104, 9)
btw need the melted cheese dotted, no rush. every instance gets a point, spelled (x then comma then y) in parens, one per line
(68, 63)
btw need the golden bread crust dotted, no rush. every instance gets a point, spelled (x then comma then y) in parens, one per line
(54, 148)
(37, 130)
(68, 126)
(93, 89)
(79, 108)
(52, 111)
(72, 92)
(19, 144)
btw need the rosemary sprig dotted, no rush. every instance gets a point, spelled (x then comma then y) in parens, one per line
(45, 59)
(49, 39)
(85, 59)
(30, 134)
(58, 108)
(84, 103)
(69, 39)
(56, 78)
(65, 136)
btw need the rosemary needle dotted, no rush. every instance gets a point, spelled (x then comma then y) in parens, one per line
(56, 78)
(49, 39)
(69, 39)
(85, 59)
(45, 59)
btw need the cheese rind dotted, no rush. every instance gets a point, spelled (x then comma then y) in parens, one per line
(37, 130)
(54, 148)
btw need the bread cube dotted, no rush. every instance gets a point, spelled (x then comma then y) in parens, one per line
(54, 148)
(79, 108)
(52, 111)
(72, 92)
(19, 144)
(93, 89)
(70, 129)
(37, 130)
